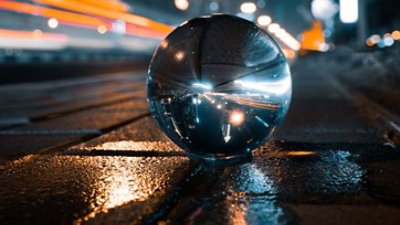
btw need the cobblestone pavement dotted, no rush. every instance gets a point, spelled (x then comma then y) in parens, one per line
(86, 151)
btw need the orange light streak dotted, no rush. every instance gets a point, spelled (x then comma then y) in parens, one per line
(76, 19)
(251, 102)
(36, 34)
(108, 4)
(61, 16)
(136, 30)
(81, 7)
(35, 40)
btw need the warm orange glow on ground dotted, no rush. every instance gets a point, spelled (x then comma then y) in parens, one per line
(300, 153)
(137, 145)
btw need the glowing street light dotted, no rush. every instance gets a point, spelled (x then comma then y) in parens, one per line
(323, 9)
(248, 7)
(349, 11)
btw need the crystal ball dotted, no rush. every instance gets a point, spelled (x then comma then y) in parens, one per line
(218, 86)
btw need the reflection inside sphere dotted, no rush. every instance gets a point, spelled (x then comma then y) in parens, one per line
(218, 86)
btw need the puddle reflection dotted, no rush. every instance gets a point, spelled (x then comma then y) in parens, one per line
(252, 198)
(256, 190)
(337, 172)
(317, 171)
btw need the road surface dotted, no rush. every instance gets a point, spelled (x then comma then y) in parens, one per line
(86, 151)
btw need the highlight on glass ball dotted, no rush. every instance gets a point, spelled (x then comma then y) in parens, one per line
(218, 86)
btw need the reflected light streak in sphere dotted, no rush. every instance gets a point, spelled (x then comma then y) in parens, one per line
(218, 86)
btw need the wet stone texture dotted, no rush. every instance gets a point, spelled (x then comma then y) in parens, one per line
(86, 151)
(93, 190)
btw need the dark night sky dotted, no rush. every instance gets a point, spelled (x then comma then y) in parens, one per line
(384, 15)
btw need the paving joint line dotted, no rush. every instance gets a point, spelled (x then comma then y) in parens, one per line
(70, 111)
(384, 118)
(127, 153)
(86, 138)
(173, 198)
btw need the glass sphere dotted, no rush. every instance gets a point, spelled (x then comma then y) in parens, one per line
(218, 86)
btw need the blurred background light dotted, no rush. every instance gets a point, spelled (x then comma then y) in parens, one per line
(273, 27)
(248, 7)
(137, 27)
(396, 35)
(349, 11)
(53, 23)
(375, 38)
(261, 4)
(280, 33)
(214, 6)
(32, 40)
(381, 44)
(102, 29)
(82, 7)
(182, 4)
(388, 41)
(264, 20)
(323, 9)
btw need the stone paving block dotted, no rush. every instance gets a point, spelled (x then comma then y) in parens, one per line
(383, 179)
(97, 118)
(294, 174)
(26, 110)
(140, 136)
(32, 98)
(373, 74)
(320, 113)
(93, 190)
(67, 129)
(27, 92)
(345, 214)
(25, 115)
(61, 101)
(327, 123)
(15, 146)
(330, 165)
(45, 98)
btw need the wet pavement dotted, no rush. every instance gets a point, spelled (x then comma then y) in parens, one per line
(86, 151)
